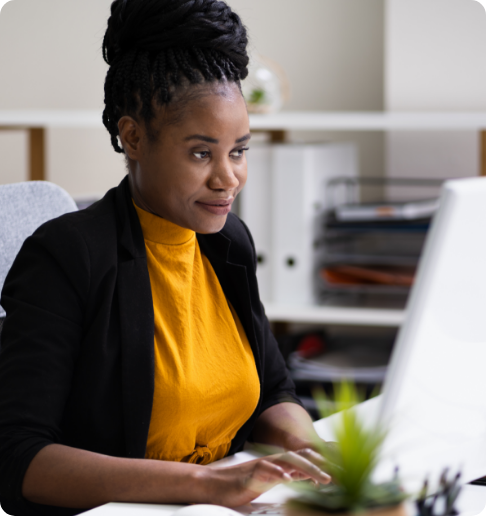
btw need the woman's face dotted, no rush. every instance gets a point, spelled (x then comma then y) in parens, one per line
(196, 167)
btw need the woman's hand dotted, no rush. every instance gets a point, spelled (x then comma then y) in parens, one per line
(69, 477)
(287, 425)
(238, 485)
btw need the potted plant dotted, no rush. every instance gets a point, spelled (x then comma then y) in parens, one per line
(351, 461)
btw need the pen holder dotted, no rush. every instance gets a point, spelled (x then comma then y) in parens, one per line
(443, 502)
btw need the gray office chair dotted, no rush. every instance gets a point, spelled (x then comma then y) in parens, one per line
(23, 208)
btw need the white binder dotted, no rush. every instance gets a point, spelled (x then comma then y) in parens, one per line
(300, 174)
(256, 211)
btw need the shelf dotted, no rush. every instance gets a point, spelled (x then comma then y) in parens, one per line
(36, 122)
(363, 121)
(51, 119)
(283, 121)
(334, 315)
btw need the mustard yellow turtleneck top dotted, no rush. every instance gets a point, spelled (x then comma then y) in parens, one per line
(206, 382)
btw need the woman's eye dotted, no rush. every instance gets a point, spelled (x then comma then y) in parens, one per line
(238, 153)
(201, 154)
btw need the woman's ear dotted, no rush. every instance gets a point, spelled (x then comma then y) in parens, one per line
(130, 136)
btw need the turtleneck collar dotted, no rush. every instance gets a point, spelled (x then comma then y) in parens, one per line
(161, 231)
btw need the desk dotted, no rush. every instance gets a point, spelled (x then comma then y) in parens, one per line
(276, 125)
(471, 502)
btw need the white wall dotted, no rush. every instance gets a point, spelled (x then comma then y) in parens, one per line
(435, 60)
(50, 58)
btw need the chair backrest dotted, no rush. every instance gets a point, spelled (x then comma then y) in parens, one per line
(23, 208)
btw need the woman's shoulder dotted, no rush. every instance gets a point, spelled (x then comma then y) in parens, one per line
(95, 226)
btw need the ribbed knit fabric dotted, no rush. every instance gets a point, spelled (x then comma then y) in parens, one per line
(206, 382)
(23, 208)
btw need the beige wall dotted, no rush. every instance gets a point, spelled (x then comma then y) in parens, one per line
(333, 53)
(435, 61)
(50, 58)
(332, 50)
(435, 55)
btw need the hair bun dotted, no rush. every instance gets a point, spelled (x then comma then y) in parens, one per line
(111, 46)
(156, 25)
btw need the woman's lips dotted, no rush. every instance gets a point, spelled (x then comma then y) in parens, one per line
(216, 207)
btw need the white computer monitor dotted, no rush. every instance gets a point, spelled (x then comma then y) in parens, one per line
(434, 396)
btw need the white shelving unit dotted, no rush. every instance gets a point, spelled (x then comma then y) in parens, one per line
(335, 315)
(38, 121)
(284, 121)
(364, 121)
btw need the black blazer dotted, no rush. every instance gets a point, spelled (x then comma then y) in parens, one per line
(77, 358)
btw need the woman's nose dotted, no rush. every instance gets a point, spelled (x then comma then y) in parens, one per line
(223, 177)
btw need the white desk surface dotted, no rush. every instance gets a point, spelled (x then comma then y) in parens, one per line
(471, 501)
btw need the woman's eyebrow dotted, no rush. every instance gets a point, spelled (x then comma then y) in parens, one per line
(243, 138)
(201, 137)
(208, 139)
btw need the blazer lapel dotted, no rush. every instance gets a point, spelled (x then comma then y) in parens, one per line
(234, 282)
(239, 296)
(137, 327)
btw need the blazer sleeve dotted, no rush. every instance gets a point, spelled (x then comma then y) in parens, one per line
(278, 386)
(43, 297)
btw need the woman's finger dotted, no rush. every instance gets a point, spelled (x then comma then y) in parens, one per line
(313, 456)
(267, 475)
(297, 475)
(303, 462)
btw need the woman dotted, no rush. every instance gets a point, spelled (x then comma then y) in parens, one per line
(135, 348)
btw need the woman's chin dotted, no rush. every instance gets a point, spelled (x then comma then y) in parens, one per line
(214, 225)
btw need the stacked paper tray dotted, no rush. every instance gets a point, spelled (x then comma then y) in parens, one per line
(360, 364)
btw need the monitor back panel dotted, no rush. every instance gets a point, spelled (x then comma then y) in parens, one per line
(434, 399)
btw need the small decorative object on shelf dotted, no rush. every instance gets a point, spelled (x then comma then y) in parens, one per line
(351, 462)
(266, 87)
(443, 502)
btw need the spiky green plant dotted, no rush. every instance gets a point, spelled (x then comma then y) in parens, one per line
(350, 461)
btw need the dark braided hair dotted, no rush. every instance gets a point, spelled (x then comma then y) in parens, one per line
(158, 48)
